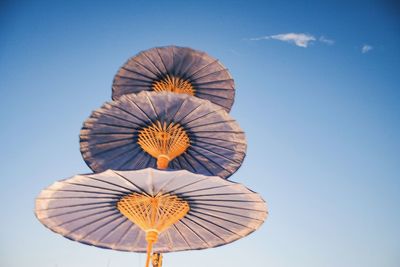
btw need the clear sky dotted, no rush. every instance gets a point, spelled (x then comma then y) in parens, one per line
(317, 94)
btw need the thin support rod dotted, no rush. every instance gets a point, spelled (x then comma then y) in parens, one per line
(149, 250)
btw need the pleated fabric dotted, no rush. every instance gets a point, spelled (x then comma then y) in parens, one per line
(83, 208)
(210, 79)
(108, 139)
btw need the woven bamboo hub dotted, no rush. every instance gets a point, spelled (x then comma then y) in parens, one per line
(163, 141)
(153, 214)
(173, 84)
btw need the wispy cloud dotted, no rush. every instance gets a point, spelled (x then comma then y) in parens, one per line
(366, 48)
(298, 39)
(325, 40)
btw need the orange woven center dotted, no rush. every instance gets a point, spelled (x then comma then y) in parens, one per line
(164, 141)
(174, 84)
(153, 214)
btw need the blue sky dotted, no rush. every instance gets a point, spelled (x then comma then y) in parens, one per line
(321, 117)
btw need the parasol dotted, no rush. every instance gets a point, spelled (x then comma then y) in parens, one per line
(179, 70)
(150, 210)
(163, 129)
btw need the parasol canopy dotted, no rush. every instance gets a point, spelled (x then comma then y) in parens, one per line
(179, 70)
(171, 210)
(165, 130)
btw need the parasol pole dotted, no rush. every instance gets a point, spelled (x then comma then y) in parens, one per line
(162, 164)
(151, 238)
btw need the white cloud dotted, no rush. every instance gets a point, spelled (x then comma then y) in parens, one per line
(298, 39)
(325, 40)
(366, 48)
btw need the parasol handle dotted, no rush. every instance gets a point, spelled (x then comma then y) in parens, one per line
(149, 249)
(157, 259)
(151, 238)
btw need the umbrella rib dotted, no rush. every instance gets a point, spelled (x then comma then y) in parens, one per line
(217, 225)
(153, 107)
(179, 109)
(225, 206)
(204, 115)
(222, 218)
(129, 113)
(184, 117)
(135, 72)
(230, 213)
(181, 235)
(149, 159)
(93, 197)
(206, 188)
(174, 164)
(144, 66)
(89, 223)
(115, 125)
(178, 163)
(164, 185)
(216, 89)
(211, 73)
(219, 194)
(119, 118)
(219, 139)
(204, 227)
(216, 96)
(183, 158)
(78, 205)
(194, 232)
(213, 132)
(136, 87)
(124, 220)
(99, 187)
(137, 240)
(102, 225)
(160, 72)
(139, 160)
(74, 211)
(102, 151)
(106, 142)
(192, 148)
(173, 62)
(107, 133)
(211, 82)
(107, 182)
(135, 148)
(193, 74)
(85, 217)
(186, 185)
(197, 148)
(130, 78)
(82, 191)
(226, 200)
(188, 153)
(169, 238)
(129, 181)
(215, 145)
(129, 160)
(212, 123)
(162, 61)
(125, 233)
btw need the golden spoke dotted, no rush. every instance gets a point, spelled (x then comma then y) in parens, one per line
(163, 142)
(174, 85)
(153, 214)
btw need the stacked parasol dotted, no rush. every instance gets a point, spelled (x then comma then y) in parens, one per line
(161, 152)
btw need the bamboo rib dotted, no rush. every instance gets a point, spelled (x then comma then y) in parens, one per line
(153, 214)
(163, 142)
(173, 84)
